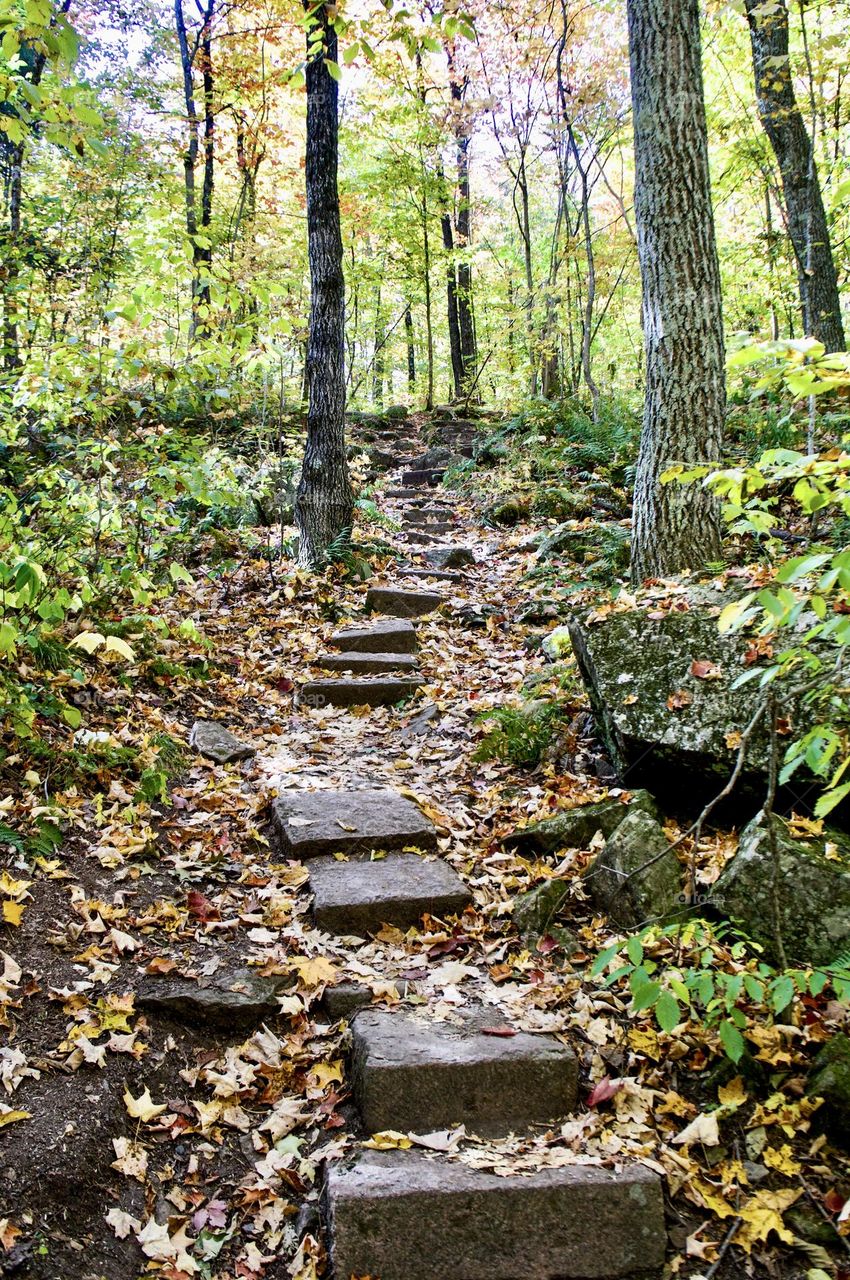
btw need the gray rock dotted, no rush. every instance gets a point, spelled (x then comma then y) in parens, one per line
(211, 739)
(384, 635)
(558, 644)
(367, 664)
(437, 575)
(602, 548)
(436, 456)
(575, 828)
(396, 411)
(629, 898)
(401, 603)
(411, 1072)
(830, 1080)
(417, 479)
(245, 1002)
(632, 663)
(421, 723)
(365, 692)
(509, 510)
(310, 823)
(346, 998)
(359, 897)
(812, 892)
(450, 557)
(534, 911)
(402, 1216)
(427, 534)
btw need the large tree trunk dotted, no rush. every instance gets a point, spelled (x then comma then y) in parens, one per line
(411, 349)
(676, 526)
(792, 146)
(324, 503)
(455, 350)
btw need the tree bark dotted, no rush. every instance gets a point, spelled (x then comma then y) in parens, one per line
(783, 123)
(324, 503)
(452, 298)
(463, 230)
(411, 349)
(201, 253)
(675, 526)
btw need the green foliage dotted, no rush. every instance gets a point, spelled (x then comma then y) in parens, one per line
(520, 735)
(709, 974)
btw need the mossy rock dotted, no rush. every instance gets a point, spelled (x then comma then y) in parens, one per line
(812, 892)
(509, 511)
(830, 1080)
(575, 828)
(534, 911)
(637, 876)
(562, 504)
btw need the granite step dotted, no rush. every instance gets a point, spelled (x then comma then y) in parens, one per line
(312, 823)
(384, 635)
(359, 897)
(423, 515)
(411, 1072)
(426, 538)
(366, 691)
(441, 575)
(400, 602)
(367, 664)
(402, 1215)
(419, 479)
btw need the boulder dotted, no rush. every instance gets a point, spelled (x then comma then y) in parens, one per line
(211, 739)
(449, 557)
(619, 886)
(659, 677)
(534, 911)
(509, 510)
(830, 1080)
(812, 892)
(601, 548)
(575, 828)
(562, 504)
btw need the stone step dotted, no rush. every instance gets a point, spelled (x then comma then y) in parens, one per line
(422, 515)
(311, 823)
(410, 494)
(384, 635)
(442, 575)
(400, 602)
(418, 479)
(426, 538)
(367, 664)
(401, 1215)
(412, 1073)
(452, 557)
(366, 691)
(359, 897)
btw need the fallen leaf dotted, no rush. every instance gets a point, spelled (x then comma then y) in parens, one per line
(142, 1108)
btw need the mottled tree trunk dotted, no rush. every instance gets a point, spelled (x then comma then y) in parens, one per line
(452, 303)
(807, 226)
(676, 526)
(324, 503)
(411, 349)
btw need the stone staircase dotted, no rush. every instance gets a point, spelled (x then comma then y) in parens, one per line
(373, 860)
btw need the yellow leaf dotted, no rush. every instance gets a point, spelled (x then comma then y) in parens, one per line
(762, 1214)
(11, 887)
(88, 641)
(114, 644)
(782, 1159)
(8, 1116)
(327, 1073)
(315, 972)
(389, 1140)
(733, 1094)
(13, 911)
(142, 1108)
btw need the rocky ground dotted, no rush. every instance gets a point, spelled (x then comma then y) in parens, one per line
(187, 1089)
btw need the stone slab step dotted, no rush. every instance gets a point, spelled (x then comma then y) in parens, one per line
(384, 635)
(418, 479)
(412, 494)
(311, 823)
(432, 527)
(401, 1215)
(400, 602)
(365, 691)
(450, 557)
(367, 664)
(422, 515)
(360, 897)
(442, 575)
(413, 1073)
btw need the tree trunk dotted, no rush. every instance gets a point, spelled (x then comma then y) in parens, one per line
(378, 357)
(452, 302)
(201, 253)
(324, 504)
(463, 227)
(11, 272)
(783, 123)
(676, 526)
(411, 350)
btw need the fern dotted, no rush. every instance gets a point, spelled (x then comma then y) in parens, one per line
(520, 735)
(14, 838)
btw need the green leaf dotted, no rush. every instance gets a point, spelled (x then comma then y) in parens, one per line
(732, 1040)
(333, 69)
(782, 992)
(828, 801)
(732, 615)
(667, 1011)
(72, 716)
(644, 994)
(634, 950)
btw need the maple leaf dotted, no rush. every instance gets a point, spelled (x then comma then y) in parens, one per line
(142, 1108)
(703, 1129)
(200, 907)
(131, 1159)
(762, 1214)
(705, 670)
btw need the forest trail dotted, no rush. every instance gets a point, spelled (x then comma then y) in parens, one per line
(188, 1073)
